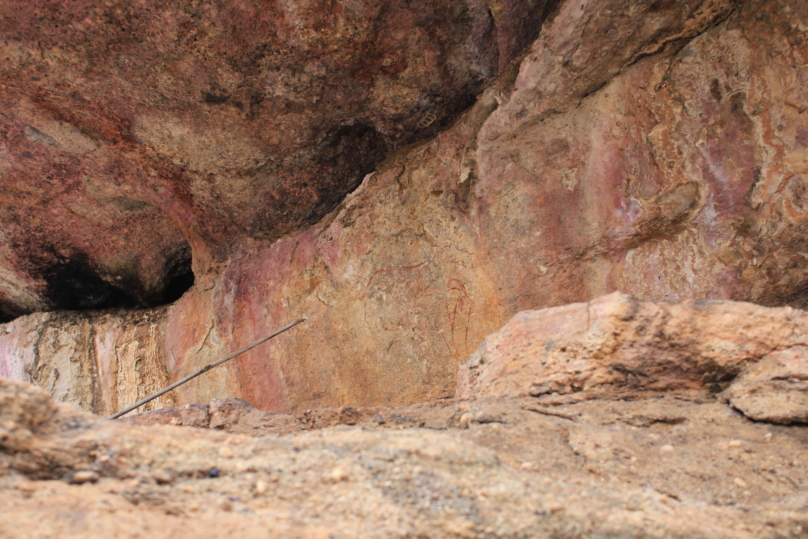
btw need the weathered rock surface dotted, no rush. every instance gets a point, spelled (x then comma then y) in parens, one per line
(652, 147)
(659, 153)
(240, 417)
(617, 344)
(774, 389)
(233, 415)
(665, 467)
(137, 135)
(98, 361)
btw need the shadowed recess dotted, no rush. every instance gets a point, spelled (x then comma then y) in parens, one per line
(73, 284)
(180, 278)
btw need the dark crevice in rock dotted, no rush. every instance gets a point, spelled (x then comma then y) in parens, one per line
(786, 292)
(72, 283)
(180, 279)
(10, 310)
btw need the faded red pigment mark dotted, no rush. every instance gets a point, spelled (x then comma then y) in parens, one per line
(401, 268)
(454, 312)
(454, 308)
(390, 269)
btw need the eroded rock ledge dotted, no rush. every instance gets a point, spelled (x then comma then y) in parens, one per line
(137, 136)
(678, 465)
(618, 345)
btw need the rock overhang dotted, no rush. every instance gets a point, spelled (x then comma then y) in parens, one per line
(139, 138)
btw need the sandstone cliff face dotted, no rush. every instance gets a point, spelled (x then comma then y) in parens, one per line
(654, 148)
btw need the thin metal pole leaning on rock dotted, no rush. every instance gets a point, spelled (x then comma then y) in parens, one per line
(205, 369)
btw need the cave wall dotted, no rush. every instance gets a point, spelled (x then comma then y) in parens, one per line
(142, 140)
(656, 148)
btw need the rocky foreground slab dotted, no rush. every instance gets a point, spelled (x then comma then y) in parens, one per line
(618, 346)
(626, 458)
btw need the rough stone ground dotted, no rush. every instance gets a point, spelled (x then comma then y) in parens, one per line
(679, 465)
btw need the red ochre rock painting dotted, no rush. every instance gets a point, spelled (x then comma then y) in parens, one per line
(414, 299)
(661, 154)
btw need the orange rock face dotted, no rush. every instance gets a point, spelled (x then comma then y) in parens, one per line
(616, 346)
(659, 154)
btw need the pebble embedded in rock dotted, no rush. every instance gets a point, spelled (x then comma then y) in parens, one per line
(163, 477)
(340, 473)
(84, 476)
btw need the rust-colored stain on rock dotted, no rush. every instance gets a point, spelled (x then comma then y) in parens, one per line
(136, 137)
(660, 154)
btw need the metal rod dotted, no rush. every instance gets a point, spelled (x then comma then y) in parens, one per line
(203, 370)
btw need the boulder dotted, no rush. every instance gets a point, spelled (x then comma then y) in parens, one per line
(619, 347)
(774, 389)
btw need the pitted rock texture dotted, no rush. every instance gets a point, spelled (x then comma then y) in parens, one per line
(240, 417)
(653, 149)
(668, 467)
(135, 136)
(616, 345)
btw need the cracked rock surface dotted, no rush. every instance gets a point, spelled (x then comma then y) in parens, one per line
(670, 466)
